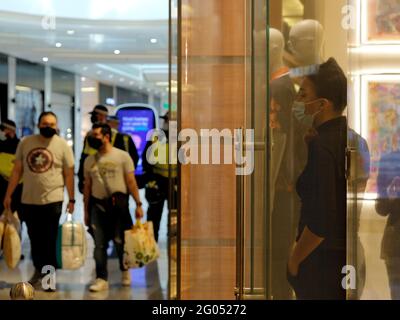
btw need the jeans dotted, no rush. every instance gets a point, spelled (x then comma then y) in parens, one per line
(108, 226)
(42, 222)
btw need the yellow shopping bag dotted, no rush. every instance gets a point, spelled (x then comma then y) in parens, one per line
(140, 246)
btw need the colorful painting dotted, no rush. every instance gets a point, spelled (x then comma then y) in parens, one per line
(383, 20)
(383, 124)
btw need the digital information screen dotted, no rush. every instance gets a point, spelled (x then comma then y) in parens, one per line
(137, 122)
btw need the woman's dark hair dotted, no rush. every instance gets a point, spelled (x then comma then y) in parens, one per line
(331, 83)
(105, 128)
(46, 113)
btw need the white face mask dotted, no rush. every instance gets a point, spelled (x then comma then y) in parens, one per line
(299, 108)
(3, 136)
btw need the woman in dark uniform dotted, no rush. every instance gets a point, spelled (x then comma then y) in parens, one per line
(319, 255)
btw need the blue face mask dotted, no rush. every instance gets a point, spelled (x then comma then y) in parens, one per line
(299, 108)
(3, 136)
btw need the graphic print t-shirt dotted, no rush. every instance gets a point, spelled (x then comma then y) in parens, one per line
(113, 165)
(43, 166)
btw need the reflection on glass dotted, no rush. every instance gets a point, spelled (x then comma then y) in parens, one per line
(388, 205)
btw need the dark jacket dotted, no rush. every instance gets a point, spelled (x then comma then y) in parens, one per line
(322, 185)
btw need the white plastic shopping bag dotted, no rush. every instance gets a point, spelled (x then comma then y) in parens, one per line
(11, 243)
(71, 244)
(140, 245)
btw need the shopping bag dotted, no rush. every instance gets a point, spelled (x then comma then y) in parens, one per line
(2, 227)
(71, 244)
(11, 239)
(140, 246)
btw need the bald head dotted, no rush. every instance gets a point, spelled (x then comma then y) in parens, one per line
(306, 39)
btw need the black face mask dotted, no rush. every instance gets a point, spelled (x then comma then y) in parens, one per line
(95, 143)
(93, 117)
(48, 132)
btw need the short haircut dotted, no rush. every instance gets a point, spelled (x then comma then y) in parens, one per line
(46, 113)
(9, 124)
(331, 83)
(105, 128)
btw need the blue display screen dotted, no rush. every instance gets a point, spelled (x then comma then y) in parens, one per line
(137, 121)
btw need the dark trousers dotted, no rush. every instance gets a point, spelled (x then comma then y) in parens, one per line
(154, 214)
(320, 275)
(42, 222)
(107, 225)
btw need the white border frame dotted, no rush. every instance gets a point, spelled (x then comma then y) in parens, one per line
(364, 9)
(364, 104)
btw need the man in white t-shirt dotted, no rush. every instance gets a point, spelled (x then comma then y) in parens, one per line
(109, 177)
(45, 162)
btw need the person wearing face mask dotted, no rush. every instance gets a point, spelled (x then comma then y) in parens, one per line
(45, 162)
(157, 176)
(109, 180)
(319, 254)
(8, 146)
(119, 140)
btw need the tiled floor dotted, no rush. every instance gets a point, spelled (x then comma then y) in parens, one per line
(371, 231)
(150, 282)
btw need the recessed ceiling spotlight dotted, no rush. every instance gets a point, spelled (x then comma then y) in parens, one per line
(121, 79)
(58, 44)
(111, 76)
(84, 68)
(99, 72)
(45, 59)
(117, 51)
(131, 83)
(83, 79)
(71, 32)
(153, 40)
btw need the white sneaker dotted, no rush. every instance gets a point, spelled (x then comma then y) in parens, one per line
(126, 278)
(99, 285)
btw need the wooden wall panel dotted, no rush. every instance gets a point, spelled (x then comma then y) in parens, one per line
(213, 96)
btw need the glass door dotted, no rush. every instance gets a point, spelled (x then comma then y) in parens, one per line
(252, 264)
(374, 114)
(173, 201)
(222, 149)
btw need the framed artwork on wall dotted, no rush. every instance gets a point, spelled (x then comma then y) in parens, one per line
(380, 21)
(380, 120)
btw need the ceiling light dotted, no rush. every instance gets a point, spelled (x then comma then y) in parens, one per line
(117, 51)
(58, 44)
(22, 88)
(99, 72)
(71, 32)
(121, 79)
(162, 83)
(88, 89)
(153, 40)
(111, 76)
(131, 83)
(45, 59)
(83, 79)
(97, 38)
(85, 68)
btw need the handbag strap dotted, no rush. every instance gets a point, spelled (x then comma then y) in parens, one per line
(103, 179)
